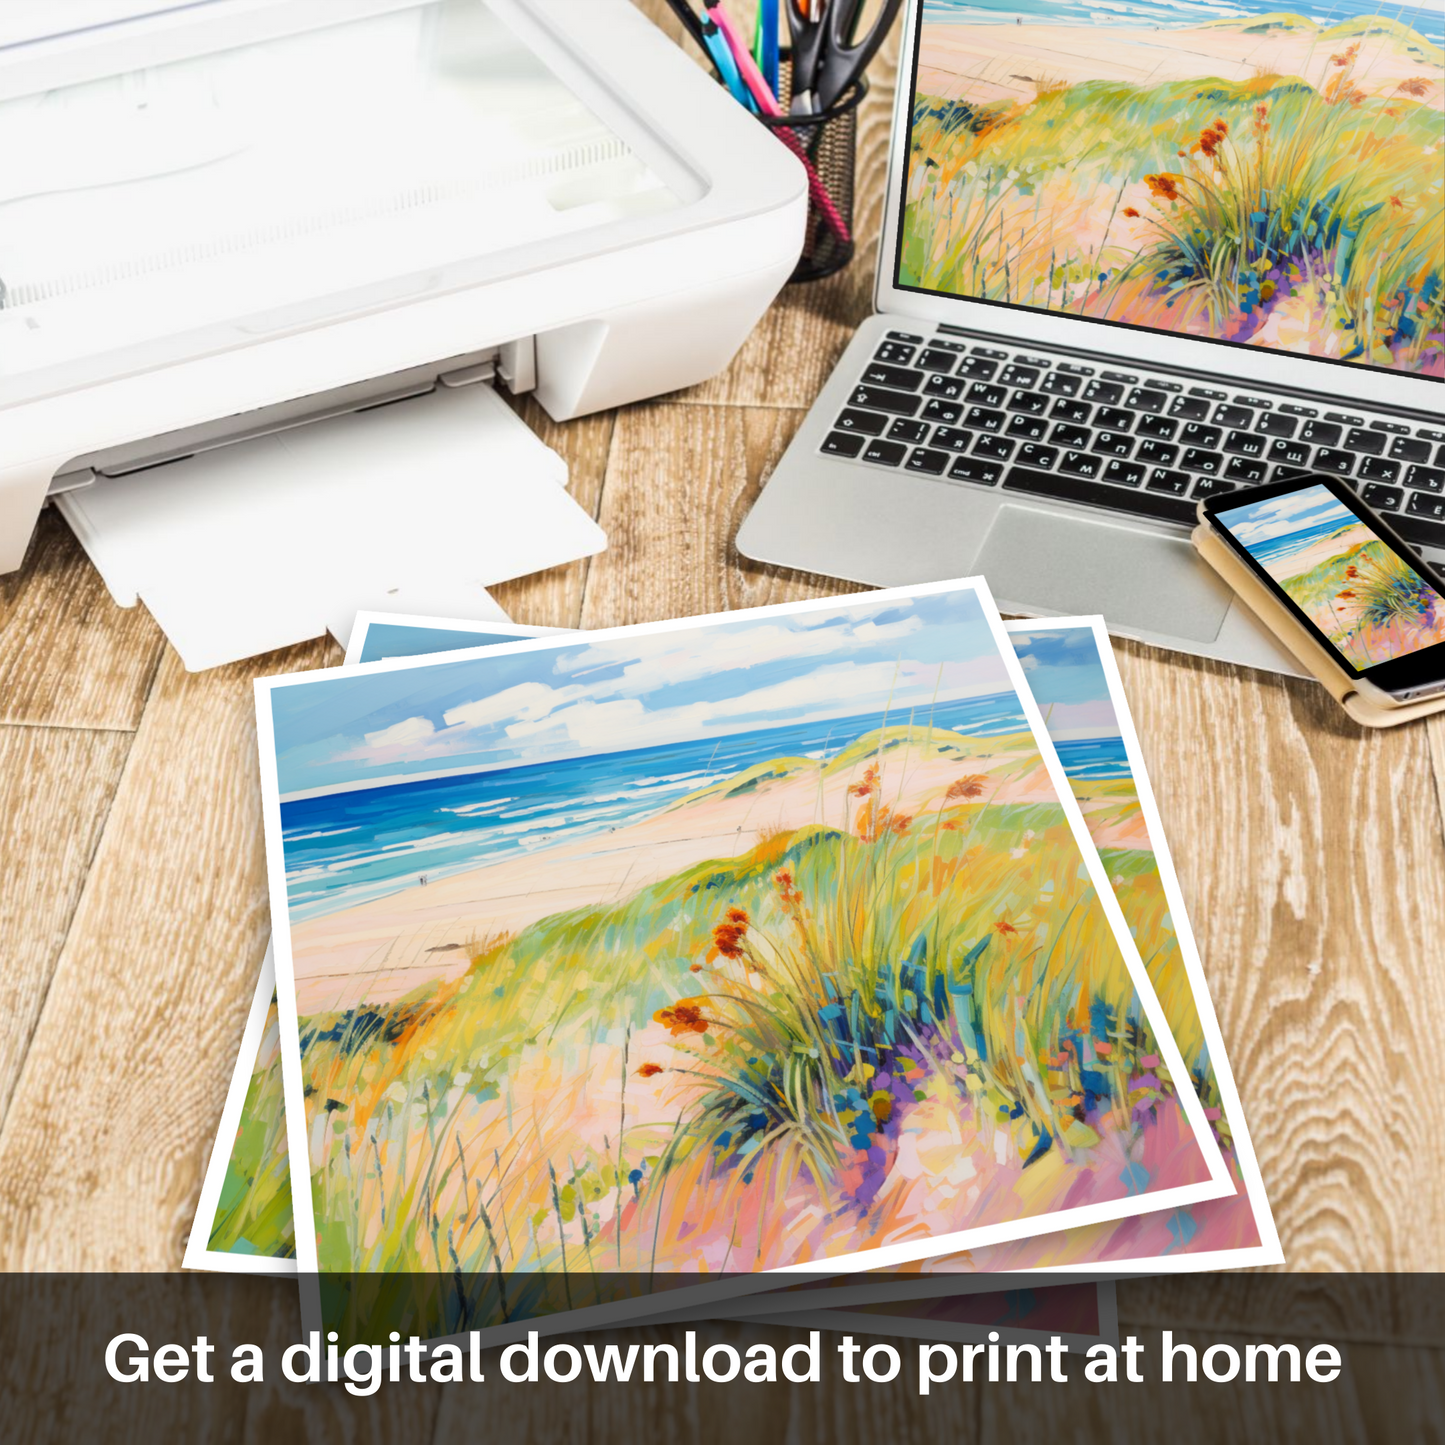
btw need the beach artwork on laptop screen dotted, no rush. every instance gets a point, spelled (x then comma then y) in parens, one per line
(1226, 170)
(1356, 589)
(708, 947)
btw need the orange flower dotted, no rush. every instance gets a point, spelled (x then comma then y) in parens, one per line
(1352, 571)
(867, 786)
(1004, 926)
(1132, 214)
(648, 1070)
(971, 784)
(1344, 594)
(684, 1017)
(789, 894)
(901, 823)
(727, 938)
(1163, 187)
(695, 968)
(1399, 206)
(1211, 138)
(1414, 86)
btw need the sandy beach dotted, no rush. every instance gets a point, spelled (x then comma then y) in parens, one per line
(380, 950)
(1326, 548)
(1000, 62)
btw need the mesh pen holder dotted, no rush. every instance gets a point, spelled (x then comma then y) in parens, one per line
(827, 144)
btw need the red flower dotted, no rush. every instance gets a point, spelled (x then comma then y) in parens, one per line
(1132, 214)
(1004, 926)
(684, 1017)
(648, 1070)
(868, 785)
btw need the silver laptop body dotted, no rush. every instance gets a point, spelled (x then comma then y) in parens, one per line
(978, 476)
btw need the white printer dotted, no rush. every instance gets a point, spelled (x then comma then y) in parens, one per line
(223, 220)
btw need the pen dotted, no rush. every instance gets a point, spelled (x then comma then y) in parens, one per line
(724, 58)
(765, 42)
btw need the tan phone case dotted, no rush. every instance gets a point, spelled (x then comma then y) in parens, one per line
(1298, 640)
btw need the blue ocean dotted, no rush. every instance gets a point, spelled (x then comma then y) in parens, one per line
(347, 848)
(1274, 549)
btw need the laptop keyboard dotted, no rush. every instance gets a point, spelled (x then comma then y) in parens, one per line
(1141, 443)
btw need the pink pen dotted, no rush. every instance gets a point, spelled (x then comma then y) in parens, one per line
(768, 105)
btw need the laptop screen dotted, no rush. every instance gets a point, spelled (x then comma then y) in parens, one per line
(1221, 169)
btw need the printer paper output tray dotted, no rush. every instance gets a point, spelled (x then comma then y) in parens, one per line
(416, 506)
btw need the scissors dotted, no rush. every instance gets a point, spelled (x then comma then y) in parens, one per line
(828, 56)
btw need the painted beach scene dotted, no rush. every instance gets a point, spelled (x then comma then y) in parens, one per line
(1361, 594)
(1217, 168)
(704, 950)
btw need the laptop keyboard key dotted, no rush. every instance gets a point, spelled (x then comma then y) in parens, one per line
(878, 398)
(1189, 408)
(953, 438)
(1075, 411)
(1016, 375)
(933, 359)
(1331, 459)
(1107, 392)
(980, 418)
(1035, 403)
(1160, 427)
(1199, 460)
(895, 353)
(905, 336)
(1425, 479)
(1210, 487)
(1161, 479)
(1321, 433)
(1381, 498)
(867, 422)
(1059, 383)
(843, 444)
(1368, 443)
(1195, 435)
(924, 459)
(1099, 494)
(1156, 454)
(1044, 458)
(1143, 399)
(950, 388)
(1113, 418)
(1124, 474)
(1031, 428)
(971, 469)
(983, 394)
(1081, 464)
(1410, 449)
(994, 447)
(1245, 444)
(1272, 424)
(878, 374)
(1235, 416)
(978, 368)
(1421, 505)
(1070, 436)
(945, 411)
(1112, 444)
(906, 430)
(1244, 469)
(1288, 453)
(886, 454)
(1377, 469)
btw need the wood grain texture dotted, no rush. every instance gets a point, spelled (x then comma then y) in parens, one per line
(56, 786)
(1311, 858)
(679, 482)
(115, 1109)
(69, 657)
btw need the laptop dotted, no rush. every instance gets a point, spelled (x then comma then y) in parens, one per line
(1133, 257)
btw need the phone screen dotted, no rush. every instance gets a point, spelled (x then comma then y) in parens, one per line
(1368, 603)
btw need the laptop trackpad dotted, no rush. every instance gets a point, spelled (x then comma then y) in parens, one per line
(1071, 565)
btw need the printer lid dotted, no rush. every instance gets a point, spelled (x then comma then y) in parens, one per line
(181, 178)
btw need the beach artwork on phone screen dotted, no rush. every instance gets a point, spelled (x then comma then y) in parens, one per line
(1226, 170)
(1366, 599)
(705, 948)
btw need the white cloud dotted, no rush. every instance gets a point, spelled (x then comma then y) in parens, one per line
(409, 730)
(1028, 660)
(528, 700)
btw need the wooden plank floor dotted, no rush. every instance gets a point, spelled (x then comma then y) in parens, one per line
(133, 906)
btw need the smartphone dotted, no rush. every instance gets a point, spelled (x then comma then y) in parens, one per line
(1370, 600)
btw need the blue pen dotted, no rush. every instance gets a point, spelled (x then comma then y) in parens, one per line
(727, 67)
(768, 50)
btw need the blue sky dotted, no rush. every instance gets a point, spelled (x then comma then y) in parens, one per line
(1067, 680)
(1279, 516)
(579, 696)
